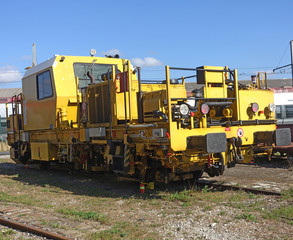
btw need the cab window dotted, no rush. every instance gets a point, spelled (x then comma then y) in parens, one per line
(44, 85)
(97, 70)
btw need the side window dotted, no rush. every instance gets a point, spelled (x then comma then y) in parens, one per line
(289, 111)
(278, 112)
(44, 85)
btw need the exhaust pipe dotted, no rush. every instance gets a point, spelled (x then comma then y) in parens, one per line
(91, 76)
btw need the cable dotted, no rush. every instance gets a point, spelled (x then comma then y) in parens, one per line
(283, 55)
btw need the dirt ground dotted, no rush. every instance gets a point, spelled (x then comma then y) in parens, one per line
(276, 175)
(103, 207)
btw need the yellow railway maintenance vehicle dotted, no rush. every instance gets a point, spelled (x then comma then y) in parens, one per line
(96, 114)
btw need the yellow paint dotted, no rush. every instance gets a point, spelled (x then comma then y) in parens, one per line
(40, 151)
(53, 122)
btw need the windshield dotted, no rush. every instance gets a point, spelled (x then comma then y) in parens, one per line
(97, 70)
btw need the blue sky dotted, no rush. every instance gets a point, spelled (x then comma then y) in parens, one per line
(248, 35)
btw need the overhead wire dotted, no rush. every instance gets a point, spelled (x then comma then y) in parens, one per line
(283, 55)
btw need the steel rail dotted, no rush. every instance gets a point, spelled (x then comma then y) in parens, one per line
(237, 188)
(26, 228)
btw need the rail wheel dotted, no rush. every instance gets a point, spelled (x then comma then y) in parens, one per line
(197, 174)
(159, 177)
(218, 168)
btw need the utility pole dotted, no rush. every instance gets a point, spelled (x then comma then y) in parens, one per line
(291, 47)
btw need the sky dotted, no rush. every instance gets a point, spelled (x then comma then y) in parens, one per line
(250, 36)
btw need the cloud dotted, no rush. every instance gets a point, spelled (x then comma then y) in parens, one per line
(111, 52)
(146, 62)
(9, 74)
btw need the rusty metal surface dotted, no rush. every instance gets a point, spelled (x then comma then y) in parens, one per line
(284, 149)
(31, 229)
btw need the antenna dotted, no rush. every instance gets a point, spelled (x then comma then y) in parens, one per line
(34, 55)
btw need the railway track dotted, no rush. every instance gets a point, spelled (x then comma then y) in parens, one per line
(34, 230)
(202, 183)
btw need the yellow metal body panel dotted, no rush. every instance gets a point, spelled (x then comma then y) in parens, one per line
(38, 114)
(44, 114)
(214, 77)
(40, 151)
(218, 92)
(153, 100)
(215, 86)
(262, 97)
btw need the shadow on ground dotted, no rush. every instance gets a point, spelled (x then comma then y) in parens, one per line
(280, 162)
(98, 185)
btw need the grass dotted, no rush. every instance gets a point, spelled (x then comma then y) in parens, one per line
(222, 213)
(122, 230)
(89, 215)
(183, 196)
(24, 199)
(53, 224)
(282, 213)
(207, 208)
(7, 234)
(287, 194)
(247, 216)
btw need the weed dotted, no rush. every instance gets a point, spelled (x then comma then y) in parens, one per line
(8, 231)
(287, 194)
(247, 216)
(252, 196)
(206, 189)
(45, 190)
(238, 196)
(119, 230)
(283, 212)
(207, 208)
(186, 204)
(155, 202)
(44, 222)
(222, 213)
(25, 199)
(54, 225)
(83, 214)
(183, 196)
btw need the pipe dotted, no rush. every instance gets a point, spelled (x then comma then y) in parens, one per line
(129, 80)
(34, 63)
(124, 90)
(218, 103)
(13, 124)
(143, 125)
(18, 123)
(91, 76)
(77, 101)
(109, 96)
(140, 103)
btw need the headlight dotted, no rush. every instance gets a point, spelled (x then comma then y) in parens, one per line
(254, 107)
(272, 107)
(184, 109)
(204, 108)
